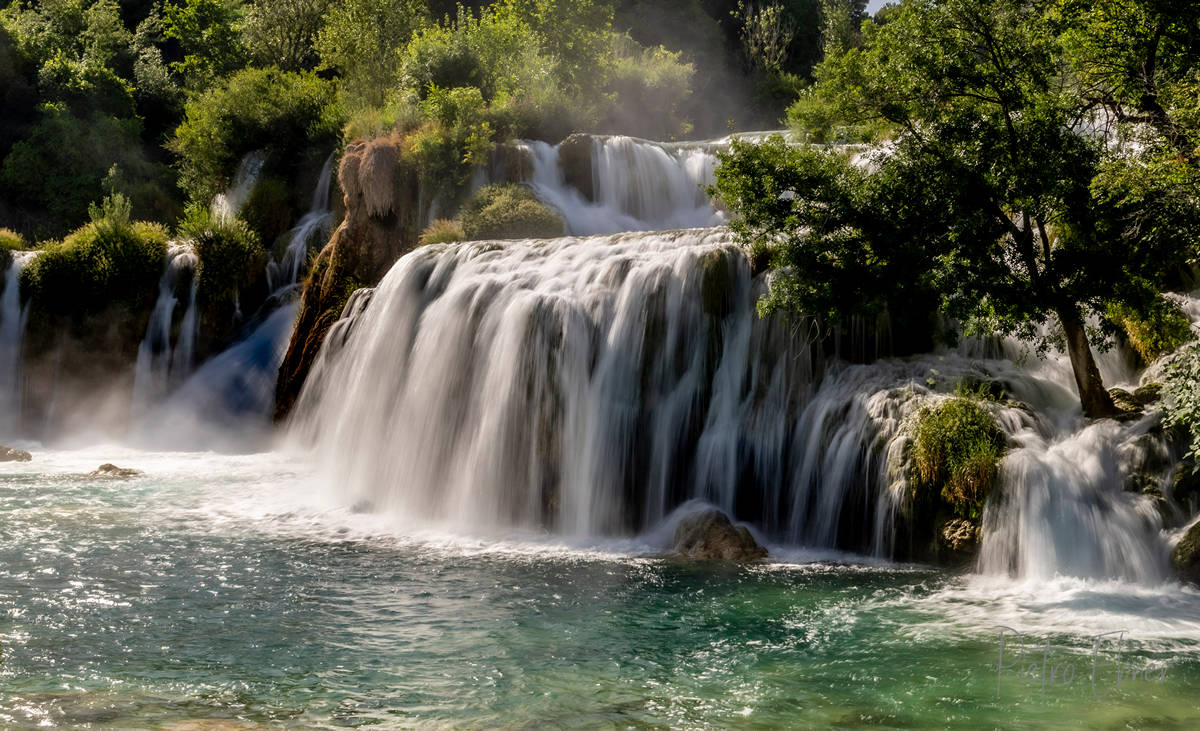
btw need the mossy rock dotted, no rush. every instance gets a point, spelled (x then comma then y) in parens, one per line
(1185, 483)
(442, 231)
(575, 160)
(718, 283)
(956, 450)
(268, 210)
(1148, 394)
(511, 163)
(507, 211)
(1186, 557)
(711, 535)
(1128, 406)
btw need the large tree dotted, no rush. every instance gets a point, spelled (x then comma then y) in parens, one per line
(1027, 226)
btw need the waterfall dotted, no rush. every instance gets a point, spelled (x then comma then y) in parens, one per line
(227, 205)
(590, 385)
(12, 335)
(637, 185)
(227, 403)
(313, 226)
(159, 363)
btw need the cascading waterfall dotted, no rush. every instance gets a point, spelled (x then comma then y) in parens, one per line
(638, 185)
(313, 227)
(593, 384)
(161, 362)
(12, 335)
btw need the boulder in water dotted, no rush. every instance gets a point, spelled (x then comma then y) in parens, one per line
(709, 534)
(8, 454)
(1186, 556)
(575, 158)
(111, 470)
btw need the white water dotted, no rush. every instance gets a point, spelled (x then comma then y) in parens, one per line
(161, 361)
(227, 205)
(593, 384)
(313, 228)
(638, 186)
(12, 335)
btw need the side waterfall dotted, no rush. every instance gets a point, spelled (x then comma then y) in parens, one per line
(590, 385)
(313, 228)
(12, 335)
(637, 185)
(160, 364)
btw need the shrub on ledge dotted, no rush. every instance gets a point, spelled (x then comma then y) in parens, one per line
(508, 211)
(956, 451)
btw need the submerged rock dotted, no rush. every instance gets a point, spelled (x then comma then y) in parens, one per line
(709, 534)
(111, 470)
(1186, 556)
(8, 454)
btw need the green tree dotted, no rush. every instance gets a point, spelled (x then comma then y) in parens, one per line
(1137, 59)
(1026, 216)
(282, 32)
(361, 41)
(209, 34)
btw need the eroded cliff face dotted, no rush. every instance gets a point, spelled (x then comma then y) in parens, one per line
(383, 206)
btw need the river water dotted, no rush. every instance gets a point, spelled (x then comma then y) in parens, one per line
(235, 592)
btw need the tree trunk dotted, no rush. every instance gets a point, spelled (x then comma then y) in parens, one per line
(1097, 403)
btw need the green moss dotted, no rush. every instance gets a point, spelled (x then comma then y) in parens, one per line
(717, 284)
(508, 211)
(231, 255)
(107, 261)
(442, 231)
(1161, 329)
(268, 210)
(956, 452)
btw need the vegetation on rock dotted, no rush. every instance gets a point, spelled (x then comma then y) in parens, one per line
(956, 450)
(230, 253)
(442, 231)
(508, 211)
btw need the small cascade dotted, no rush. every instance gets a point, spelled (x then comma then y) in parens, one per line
(313, 228)
(226, 404)
(636, 185)
(161, 362)
(12, 335)
(227, 205)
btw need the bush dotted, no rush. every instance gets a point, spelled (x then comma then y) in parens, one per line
(11, 240)
(268, 210)
(1181, 397)
(956, 450)
(255, 109)
(1153, 334)
(456, 138)
(108, 261)
(651, 85)
(442, 231)
(231, 255)
(508, 211)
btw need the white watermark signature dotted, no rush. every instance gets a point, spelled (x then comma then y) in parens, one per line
(1105, 668)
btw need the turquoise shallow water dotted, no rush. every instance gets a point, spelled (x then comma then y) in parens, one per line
(221, 592)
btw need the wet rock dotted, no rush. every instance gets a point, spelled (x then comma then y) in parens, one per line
(1186, 556)
(575, 159)
(1128, 407)
(959, 535)
(1185, 483)
(1147, 394)
(709, 534)
(111, 470)
(8, 454)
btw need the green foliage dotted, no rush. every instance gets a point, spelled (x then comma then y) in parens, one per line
(956, 450)
(455, 139)
(231, 255)
(255, 109)
(110, 261)
(575, 34)
(650, 86)
(1181, 397)
(766, 32)
(1162, 329)
(60, 167)
(361, 40)
(1016, 216)
(282, 32)
(268, 210)
(208, 34)
(508, 211)
(11, 240)
(442, 231)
